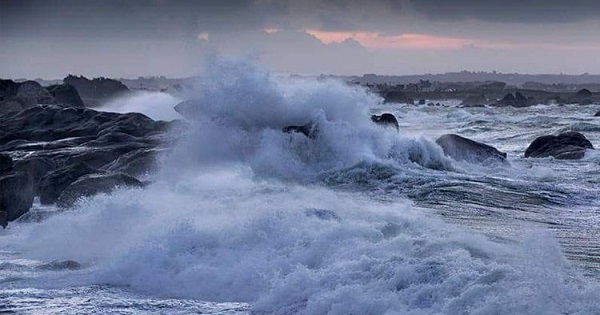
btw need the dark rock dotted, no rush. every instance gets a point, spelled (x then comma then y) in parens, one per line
(94, 184)
(53, 183)
(6, 163)
(32, 93)
(16, 194)
(582, 97)
(51, 122)
(96, 90)
(422, 101)
(8, 88)
(518, 100)
(386, 120)
(583, 93)
(35, 168)
(507, 100)
(60, 265)
(475, 100)
(463, 149)
(395, 97)
(134, 163)
(566, 146)
(3, 219)
(65, 94)
(521, 100)
(597, 114)
(310, 129)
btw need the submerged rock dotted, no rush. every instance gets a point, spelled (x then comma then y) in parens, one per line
(16, 195)
(464, 149)
(60, 265)
(386, 120)
(566, 146)
(94, 184)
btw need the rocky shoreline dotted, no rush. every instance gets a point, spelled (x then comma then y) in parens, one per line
(52, 146)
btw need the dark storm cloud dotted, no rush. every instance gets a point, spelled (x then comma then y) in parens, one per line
(127, 19)
(519, 11)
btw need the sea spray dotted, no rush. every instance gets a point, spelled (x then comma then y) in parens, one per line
(242, 212)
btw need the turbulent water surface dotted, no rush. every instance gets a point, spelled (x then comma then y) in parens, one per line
(244, 219)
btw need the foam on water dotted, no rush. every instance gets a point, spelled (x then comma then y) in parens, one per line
(239, 213)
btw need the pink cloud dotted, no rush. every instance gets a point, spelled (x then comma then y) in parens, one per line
(377, 41)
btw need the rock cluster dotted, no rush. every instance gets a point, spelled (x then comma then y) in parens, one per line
(64, 153)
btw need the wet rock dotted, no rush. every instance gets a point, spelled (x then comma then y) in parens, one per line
(518, 100)
(6, 163)
(597, 114)
(16, 195)
(35, 168)
(65, 94)
(566, 146)
(310, 129)
(4, 219)
(464, 149)
(134, 163)
(51, 122)
(386, 120)
(94, 184)
(476, 100)
(60, 265)
(53, 183)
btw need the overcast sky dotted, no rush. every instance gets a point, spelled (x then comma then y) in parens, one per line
(113, 38)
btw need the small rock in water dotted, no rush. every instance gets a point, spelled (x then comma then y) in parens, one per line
(60, 265)
(461, 148)
(386, 120)
(566, 146)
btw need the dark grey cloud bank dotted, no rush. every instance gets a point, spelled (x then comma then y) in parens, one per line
(51, 38)
(523, 11)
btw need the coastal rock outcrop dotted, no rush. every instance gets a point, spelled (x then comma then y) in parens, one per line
(395, 97)
(53, 183)
(97, 90)
(386, 120)
(16, 194)
(565, 146)
(65, 94)
(93, 184)
(464, 149)
(517, 100)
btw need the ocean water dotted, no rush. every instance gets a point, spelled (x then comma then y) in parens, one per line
(241, 218)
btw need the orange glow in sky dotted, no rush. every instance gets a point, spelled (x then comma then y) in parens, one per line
(378, 41)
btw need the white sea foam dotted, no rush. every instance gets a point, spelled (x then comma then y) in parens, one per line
(236, 214)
